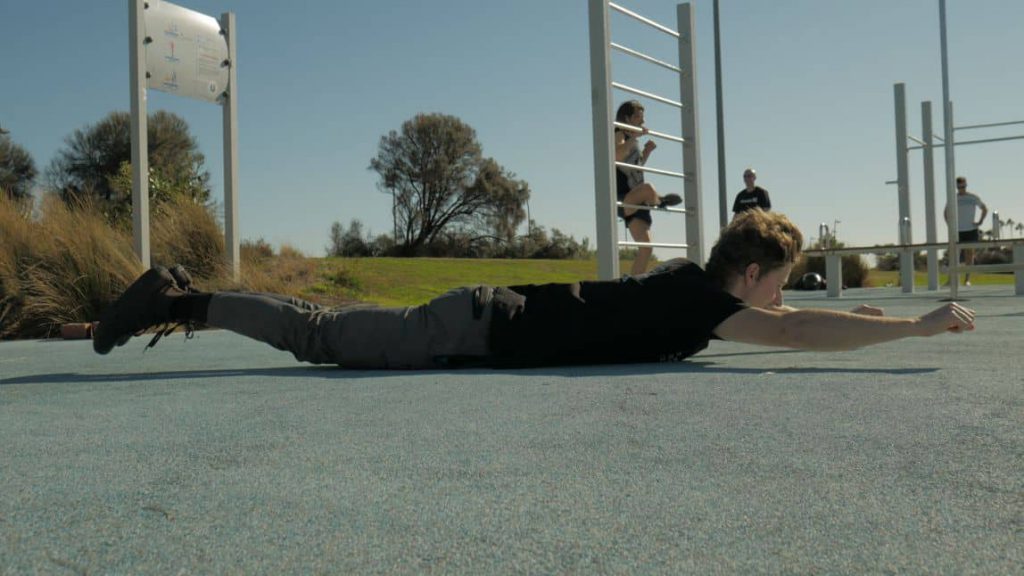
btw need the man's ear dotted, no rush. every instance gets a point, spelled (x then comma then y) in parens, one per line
(752, 273)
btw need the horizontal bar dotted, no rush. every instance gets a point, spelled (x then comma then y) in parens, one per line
(647, 21)
(645, 57)
(652, 244)
(625, 88)
(648, 207)
(939, 138)
(966, 142)
(1008, 267)
(918, 140)
(633, 128)
(911, 247)
(651, 170)
(973, 126)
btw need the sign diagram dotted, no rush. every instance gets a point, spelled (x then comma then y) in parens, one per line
(186, 53)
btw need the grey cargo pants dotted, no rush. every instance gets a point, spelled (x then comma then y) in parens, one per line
(453, 325)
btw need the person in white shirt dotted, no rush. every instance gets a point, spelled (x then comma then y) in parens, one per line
(967, 204)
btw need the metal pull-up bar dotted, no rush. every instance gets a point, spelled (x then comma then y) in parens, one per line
(927, 145)
(604, 125)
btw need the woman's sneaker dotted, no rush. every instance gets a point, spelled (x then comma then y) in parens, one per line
(146, 303)
(670, 200)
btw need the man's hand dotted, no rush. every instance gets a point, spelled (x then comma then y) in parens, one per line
(867, 310)
(951, 317)
(650, 146)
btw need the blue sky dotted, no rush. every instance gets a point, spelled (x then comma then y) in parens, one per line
(808, 88)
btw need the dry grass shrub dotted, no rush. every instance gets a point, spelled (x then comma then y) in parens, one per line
(186, 232)
(287, 273)
(255, 251)
(63, 265)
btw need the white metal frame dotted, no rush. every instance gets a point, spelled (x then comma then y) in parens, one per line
(927, 145)
(137, 41)
(603, 124)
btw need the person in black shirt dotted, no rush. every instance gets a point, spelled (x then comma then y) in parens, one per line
(751, 196)
(737, 297)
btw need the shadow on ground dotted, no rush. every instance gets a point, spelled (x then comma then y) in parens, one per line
(336, 373)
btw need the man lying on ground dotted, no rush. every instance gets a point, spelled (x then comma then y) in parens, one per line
(667, 314)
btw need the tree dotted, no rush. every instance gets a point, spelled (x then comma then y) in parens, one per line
(351, 242)
(438, 178)
(93, 157)
(504, 213)
(17, 169)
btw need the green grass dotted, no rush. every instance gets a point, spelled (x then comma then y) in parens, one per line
(892, 277)
(412, 281)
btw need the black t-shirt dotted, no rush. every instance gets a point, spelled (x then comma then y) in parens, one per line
(665, 315)
(756, 198)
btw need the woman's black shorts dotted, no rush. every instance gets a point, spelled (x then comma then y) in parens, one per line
(621, 189)
(969, 235)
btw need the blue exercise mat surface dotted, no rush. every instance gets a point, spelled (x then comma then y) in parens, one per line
(223, 455)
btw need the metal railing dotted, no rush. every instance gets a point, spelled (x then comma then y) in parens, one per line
(643, 168)
(645, 57)
(650, 132)
(834, 269)
(640, 18)
(604, 124)
(649, 207)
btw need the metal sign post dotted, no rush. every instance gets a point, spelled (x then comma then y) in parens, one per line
(230, 108)
(140, 141)
(179, 51)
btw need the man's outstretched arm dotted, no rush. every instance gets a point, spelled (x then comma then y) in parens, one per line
(816, 329)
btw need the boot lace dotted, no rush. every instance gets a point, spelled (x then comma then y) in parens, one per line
(183, 282)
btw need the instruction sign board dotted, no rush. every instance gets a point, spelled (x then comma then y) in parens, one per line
(186, 52)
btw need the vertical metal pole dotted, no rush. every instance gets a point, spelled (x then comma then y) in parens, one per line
(140, 143)
(691, 131)
(931, 229)
(904, 230)
(947, 113)
(230, 110)
(1018, 275)
(604, 145)
(952, 226)
(834, 275)
(723, 194)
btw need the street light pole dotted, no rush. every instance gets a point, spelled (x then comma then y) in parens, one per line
(723, 195)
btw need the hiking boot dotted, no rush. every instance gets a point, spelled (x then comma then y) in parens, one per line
(670, 200)
(146, 303)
